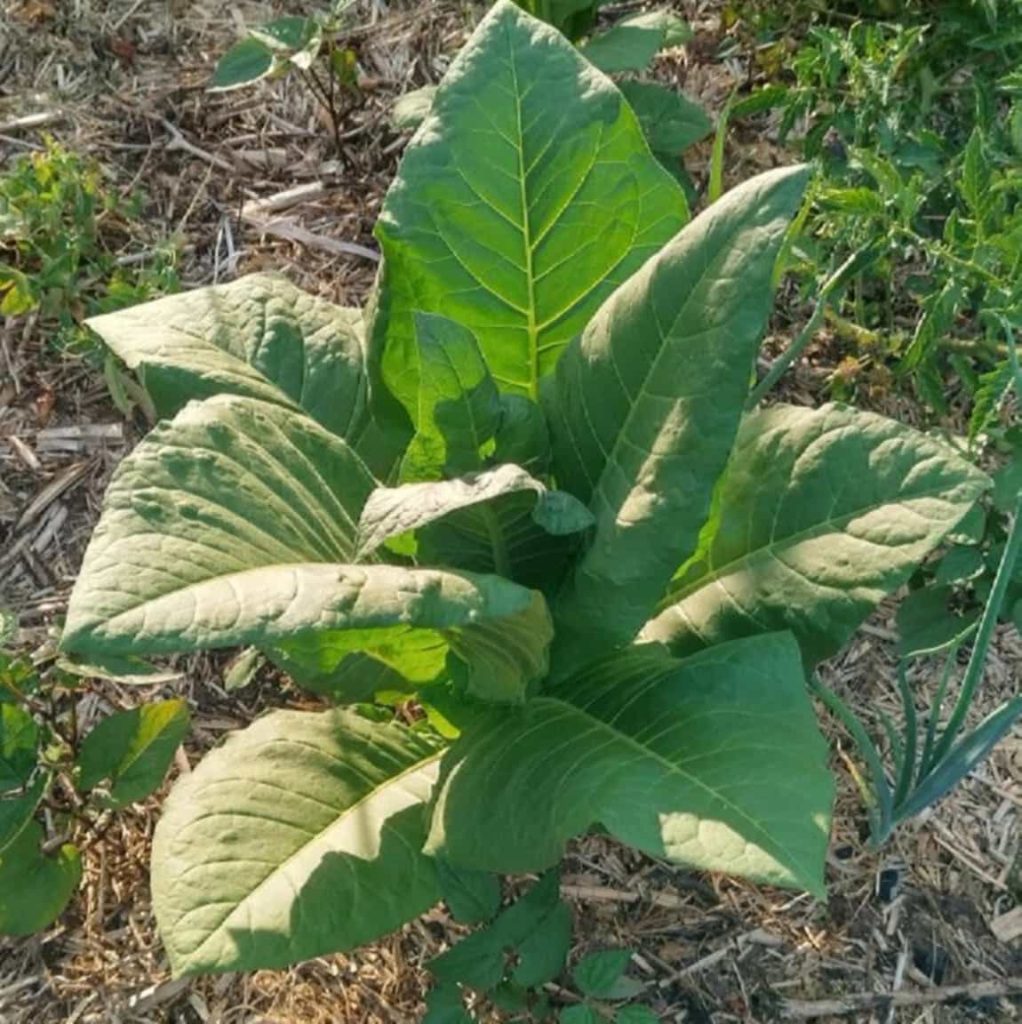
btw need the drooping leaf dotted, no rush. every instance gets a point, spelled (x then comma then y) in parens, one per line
(392, 511)
(229, 486)
(714, 762)
(647, 402)
(410, 620)
(300, 836)
(457, 407)
(19, 736)
(133, 750)
(524, 199)
(820, 514)
(632, 44)
(35, 887)
(259, 336)
(670, 121)
(245, 63)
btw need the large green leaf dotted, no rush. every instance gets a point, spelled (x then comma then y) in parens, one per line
(524, 199)
(820, 514)
(259, 336)
(300, 836)
(392, 511)
(133, 749)
(34, 886)
(410, 620)
(646, 404)
(229, 486)
(457, 408)
(714, 762)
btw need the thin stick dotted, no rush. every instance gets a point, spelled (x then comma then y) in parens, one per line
(856, 1002)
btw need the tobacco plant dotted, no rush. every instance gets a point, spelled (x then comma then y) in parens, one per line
(516, 500)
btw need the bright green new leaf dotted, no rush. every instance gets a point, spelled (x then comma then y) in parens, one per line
(524, 199)
(409, 620)
(35, 887)
(632, 44)
(457, 408)
(133, 750)
(647, 402)
(19, 736)
(259, 336)
(820, 514)
(243, 64)
(670, 121)
(714, 762)
(285, 843)
(392, 511)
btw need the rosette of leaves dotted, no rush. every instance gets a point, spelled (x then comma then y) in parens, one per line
(519, 498)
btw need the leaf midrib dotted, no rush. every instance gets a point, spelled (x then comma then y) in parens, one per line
(676, 597)
(768, 842)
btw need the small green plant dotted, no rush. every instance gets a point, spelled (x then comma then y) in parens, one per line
(306, 47)
(61, 233)
(58, 789)
(514, 518)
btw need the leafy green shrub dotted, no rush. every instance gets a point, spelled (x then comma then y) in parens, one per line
(60, 232)
(48, 771)
(519, 500)
(918, 123)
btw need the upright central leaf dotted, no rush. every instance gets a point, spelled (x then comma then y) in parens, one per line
(646, 405)
(526, 197)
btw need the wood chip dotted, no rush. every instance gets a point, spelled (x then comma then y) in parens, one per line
(1008, 926)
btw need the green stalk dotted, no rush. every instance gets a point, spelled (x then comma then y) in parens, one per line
(988, 621)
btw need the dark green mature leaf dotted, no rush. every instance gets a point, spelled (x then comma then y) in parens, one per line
(583, 1013)
(35, 887)
(392, 511)
(472, 896)
(17, 811)
(714, 762)
(522, 435)
(525, 198)
(481, 959)
(19, 736)
(927, 625)
(647, 402)
(243, 64)
(229, 488)
(670, 121)
(444, 1005)
(632, 44)
(300, 836)
(259, 336)
(457, 408)
(636, 1014)
(597, 973)
(820, 514)
(133, 749)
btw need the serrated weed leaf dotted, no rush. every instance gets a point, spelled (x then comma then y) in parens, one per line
(596, 974)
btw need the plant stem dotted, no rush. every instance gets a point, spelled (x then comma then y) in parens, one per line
(780, 365)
